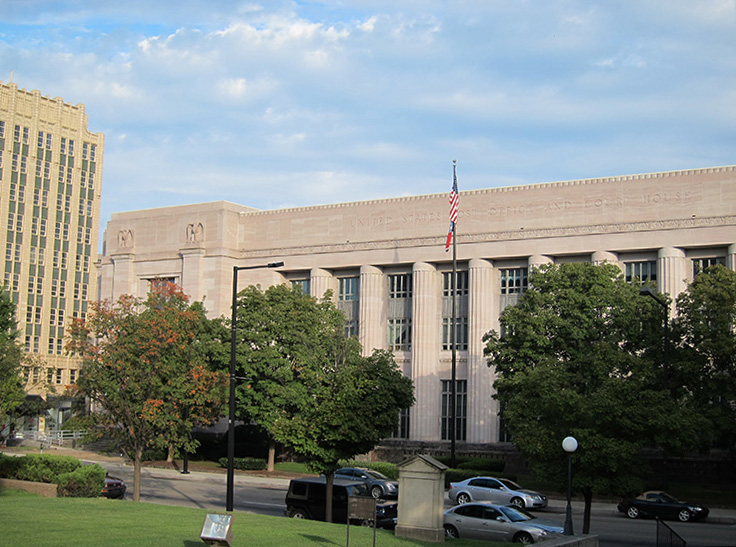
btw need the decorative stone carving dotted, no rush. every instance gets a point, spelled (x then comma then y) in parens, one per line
(195, 232)
(125, 239)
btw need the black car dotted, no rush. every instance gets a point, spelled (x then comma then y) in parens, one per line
(114, 488)
(306, 498)
(661, 505)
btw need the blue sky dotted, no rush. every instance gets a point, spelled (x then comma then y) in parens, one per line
(279, 103)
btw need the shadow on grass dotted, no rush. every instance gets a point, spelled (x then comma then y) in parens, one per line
(318, 539)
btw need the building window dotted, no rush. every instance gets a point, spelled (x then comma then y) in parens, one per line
(645, 271)
(461, 288)
(514, 280)
(303, 284)
(399, 286)
(348, 301)
(700, 265)
(157, 282)
(399, 334)
(461, 402)
(402, 430)
(348, 288)
(73, 376)
(461, 334)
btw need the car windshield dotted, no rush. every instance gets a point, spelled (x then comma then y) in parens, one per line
(516, 515)
(509, 484)
(667, 498)
(376, 474)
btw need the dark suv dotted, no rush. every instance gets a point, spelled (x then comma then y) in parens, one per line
(306, 500)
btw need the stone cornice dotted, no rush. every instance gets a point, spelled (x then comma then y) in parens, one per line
(493, 191)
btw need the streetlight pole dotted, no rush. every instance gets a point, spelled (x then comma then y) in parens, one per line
(647, 291)
(231, 404)
(569, 445)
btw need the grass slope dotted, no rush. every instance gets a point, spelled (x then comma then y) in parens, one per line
(82, 522)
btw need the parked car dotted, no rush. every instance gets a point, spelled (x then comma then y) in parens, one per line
(501, 491)
(114, 488)
(483, 520)
(379, 485)
(657, 503)
(306, 498)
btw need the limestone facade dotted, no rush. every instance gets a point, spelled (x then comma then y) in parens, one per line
(385, 262)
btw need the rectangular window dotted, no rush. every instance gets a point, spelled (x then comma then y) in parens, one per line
(514, 280)
(644, 271)
(700, 265)
(461, 288)
(73, 376)
(303, 284)
(400, 286)
(348, 301)
(461, 401)
(402, 431)
(348, 289)
(461, 334)
(399, 334)
(57, 377)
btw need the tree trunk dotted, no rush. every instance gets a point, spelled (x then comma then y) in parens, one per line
(172, 452)
(271, 454)
(328, 495)
(588, 495)
(137, 464)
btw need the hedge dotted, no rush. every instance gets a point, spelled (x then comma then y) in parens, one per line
(246, 464)
(71, 477)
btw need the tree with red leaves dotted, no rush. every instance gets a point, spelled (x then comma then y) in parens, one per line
(149, 369)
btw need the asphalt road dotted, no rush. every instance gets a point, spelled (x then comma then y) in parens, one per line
(266, 496)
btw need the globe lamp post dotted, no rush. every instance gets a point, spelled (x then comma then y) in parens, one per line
(569, 445)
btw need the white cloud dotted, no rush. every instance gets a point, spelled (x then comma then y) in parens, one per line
(325, 102)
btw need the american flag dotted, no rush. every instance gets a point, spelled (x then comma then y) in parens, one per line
(454, 201)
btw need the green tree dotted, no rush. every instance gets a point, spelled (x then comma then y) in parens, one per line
(147, 369)
(705, 323)
(11, 381)
(581, 355)
(308, 384)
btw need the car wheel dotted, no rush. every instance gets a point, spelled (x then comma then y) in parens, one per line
(684, 515)
(517, 502)
(462, 499)
(632, 512)
(298, 514)
(451, 531)
(524, 538)
(368, 523)
(376, 492)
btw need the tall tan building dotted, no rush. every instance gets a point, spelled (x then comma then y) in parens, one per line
(386, 264)
(50, 179)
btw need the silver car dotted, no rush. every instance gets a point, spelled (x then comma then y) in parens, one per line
(483, 520)
(501, 491)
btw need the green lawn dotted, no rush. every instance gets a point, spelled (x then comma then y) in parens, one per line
(82, 522)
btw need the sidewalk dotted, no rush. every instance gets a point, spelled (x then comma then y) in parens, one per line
(556, 505)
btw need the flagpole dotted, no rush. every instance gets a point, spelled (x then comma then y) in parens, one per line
(453, 338)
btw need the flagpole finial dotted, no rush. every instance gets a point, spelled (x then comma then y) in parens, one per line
(454, 162)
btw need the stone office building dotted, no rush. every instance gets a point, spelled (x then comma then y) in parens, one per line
(386, 265)
(50, 182)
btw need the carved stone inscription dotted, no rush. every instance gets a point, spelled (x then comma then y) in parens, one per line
(554, 207)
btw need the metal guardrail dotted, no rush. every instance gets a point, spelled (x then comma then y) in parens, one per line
(51, 437)
(667, 537)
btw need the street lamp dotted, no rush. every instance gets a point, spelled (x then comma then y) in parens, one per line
(231, 415)
(647, 291)
(569, 445)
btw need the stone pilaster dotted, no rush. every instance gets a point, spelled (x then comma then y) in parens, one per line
(482, 409)
(123, 275)
(322, 281)
(731, 257)
(372, 322)
(672, 271)
(192, 265)
(425, 355)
